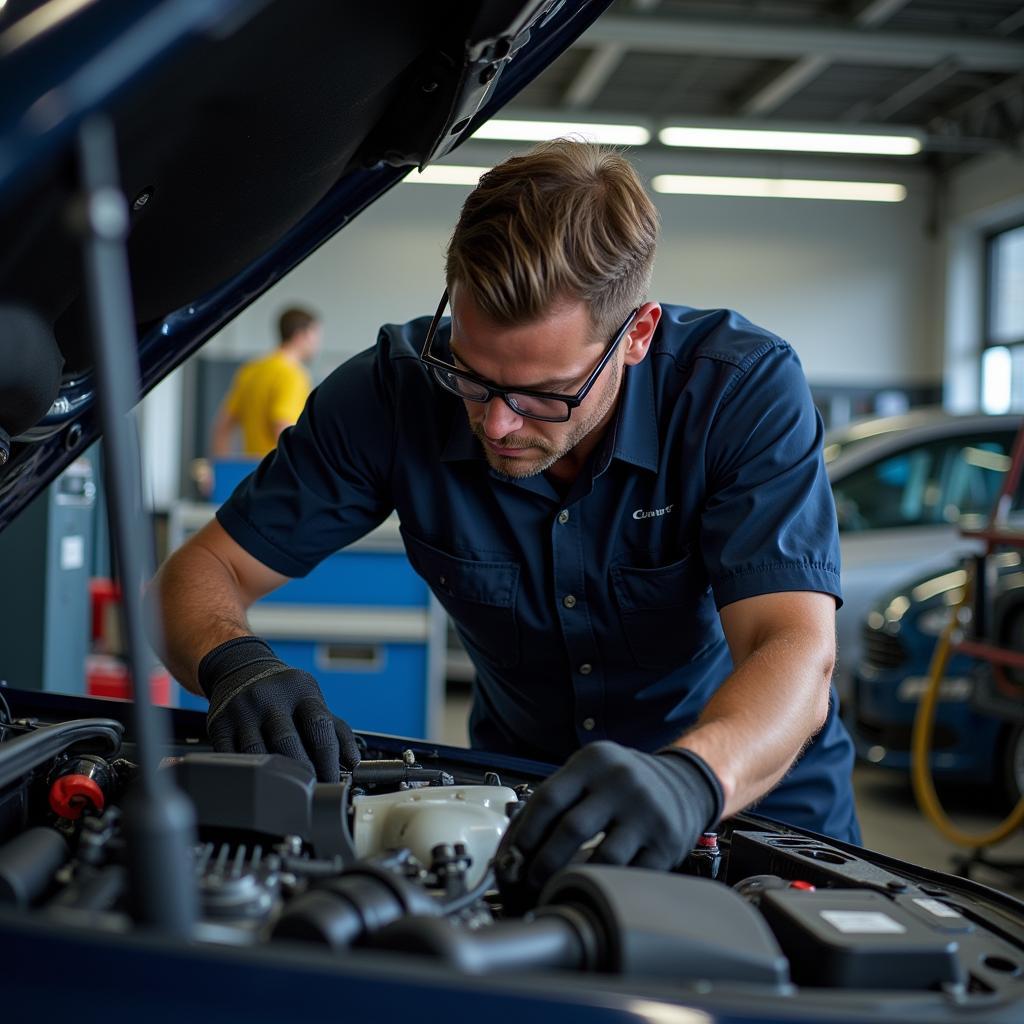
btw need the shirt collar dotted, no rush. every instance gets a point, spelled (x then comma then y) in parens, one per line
(635, 439)
(462, 443)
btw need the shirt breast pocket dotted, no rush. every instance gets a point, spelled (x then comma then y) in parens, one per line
(666, 613)
(480, 596)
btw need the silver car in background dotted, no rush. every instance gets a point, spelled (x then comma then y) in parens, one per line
(904, 487)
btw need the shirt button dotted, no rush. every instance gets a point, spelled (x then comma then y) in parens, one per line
(586, 668)
(569, 601)
(563, 516)
(588, 724)
(443, 580)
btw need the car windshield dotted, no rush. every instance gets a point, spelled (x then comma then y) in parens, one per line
(928, 484)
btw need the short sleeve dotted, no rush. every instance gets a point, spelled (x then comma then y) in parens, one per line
(769, 522)
(328, 482)
(289, 395)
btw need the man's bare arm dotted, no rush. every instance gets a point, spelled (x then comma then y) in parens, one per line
(204, 589)
(223, 434)
(756, 724)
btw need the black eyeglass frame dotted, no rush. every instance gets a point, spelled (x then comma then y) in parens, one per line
(571, 401)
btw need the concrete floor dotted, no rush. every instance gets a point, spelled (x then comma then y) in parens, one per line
(890, 820)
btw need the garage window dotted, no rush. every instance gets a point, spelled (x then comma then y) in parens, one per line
(1002, 388)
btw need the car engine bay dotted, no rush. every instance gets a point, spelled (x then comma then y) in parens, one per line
(397, 859)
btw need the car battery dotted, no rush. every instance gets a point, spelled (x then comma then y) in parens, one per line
(858, 939)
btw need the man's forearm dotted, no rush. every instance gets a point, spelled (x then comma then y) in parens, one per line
(222, 436)
(201, 606)
(764, 714)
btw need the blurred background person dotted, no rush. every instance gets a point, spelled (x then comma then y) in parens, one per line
(268, 393)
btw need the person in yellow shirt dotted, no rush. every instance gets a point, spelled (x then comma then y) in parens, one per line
(268, 393)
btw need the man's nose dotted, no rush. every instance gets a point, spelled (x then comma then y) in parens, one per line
(499, 419)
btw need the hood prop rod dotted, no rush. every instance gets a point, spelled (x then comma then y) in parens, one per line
(158, 819)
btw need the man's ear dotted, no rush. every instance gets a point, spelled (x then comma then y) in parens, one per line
(638, 341)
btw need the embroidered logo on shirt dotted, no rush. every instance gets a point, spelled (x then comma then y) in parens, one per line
(651, 513)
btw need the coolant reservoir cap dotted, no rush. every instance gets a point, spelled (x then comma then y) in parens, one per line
(70, 794)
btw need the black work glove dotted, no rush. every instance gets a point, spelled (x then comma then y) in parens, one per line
(260, 705)
(650, 807)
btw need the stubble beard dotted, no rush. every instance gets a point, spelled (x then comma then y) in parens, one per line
(548, 454)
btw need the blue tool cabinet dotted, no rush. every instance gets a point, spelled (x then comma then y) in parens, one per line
(362, 622)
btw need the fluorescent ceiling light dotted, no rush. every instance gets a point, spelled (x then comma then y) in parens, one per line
(542, 131)
(447, 174)
(800, 142)
(779, 188)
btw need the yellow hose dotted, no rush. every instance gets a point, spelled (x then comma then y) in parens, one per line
(921, 748)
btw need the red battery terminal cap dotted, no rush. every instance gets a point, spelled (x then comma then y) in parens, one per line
(70, 795)
(800, 884)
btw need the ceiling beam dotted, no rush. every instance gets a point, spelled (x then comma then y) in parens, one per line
(914, 90)
(770, 96)
(874, 12)
(592, 76)
(783, 86)
(768, 40)
(598, 68)
(1011, 24)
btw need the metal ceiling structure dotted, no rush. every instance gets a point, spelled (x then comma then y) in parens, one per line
(953, 70)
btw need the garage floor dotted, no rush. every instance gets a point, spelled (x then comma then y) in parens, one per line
(889, 817)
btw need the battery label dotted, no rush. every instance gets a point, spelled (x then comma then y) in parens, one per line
(862, 922)
(937, 908)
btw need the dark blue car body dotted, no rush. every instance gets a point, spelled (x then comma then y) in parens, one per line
(973, 734)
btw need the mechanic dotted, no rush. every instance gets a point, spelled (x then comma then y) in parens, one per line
(268, 393)
(622, 505)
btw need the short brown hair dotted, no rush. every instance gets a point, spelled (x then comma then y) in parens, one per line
(295, 320)
(567, 220)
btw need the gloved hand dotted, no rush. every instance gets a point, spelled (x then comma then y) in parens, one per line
(650, 807)
(260, 705)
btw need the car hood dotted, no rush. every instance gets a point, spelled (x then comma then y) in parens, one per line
(248, 134)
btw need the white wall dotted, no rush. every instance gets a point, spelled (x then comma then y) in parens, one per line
(848, 283)
(982, 196)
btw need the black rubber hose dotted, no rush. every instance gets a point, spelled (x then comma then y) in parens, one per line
(547, 943)
(346, 909)
(21, 755)
(28, 863)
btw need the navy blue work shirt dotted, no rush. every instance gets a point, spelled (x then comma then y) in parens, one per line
(593, 614)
